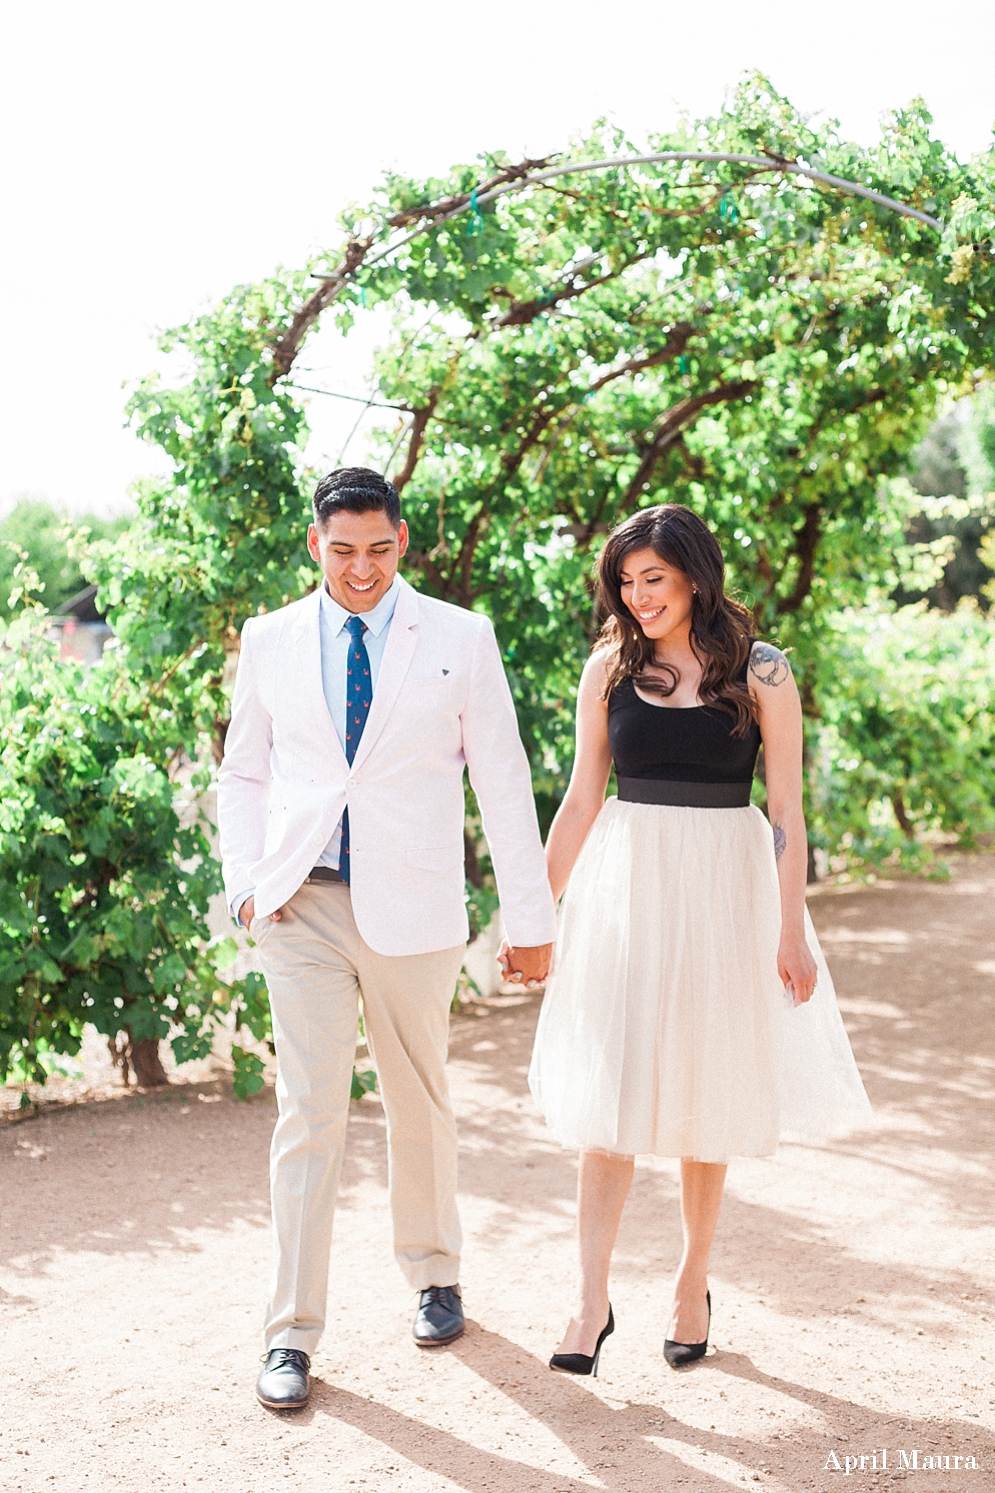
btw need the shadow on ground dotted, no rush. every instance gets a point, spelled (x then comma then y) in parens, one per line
(812, 1247)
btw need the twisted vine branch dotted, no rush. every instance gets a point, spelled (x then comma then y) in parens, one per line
(513, 179)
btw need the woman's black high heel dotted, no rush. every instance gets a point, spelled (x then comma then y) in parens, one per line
(679, 1354)
(580, 1363)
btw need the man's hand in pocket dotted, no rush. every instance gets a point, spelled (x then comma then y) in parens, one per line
(247, 912)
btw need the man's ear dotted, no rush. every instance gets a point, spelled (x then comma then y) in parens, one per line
(402, 539)
(312, 544)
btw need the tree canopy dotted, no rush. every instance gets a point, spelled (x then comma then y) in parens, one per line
(753, 343)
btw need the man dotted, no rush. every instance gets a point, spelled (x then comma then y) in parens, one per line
(340, 807)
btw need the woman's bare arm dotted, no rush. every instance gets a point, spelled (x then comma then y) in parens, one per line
(780, 717)
(585, 795)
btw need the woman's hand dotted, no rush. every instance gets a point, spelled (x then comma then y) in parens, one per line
(797, 968)
(530, 966)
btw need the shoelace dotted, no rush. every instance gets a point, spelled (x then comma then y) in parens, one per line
(435, 1295)
(294, 1356)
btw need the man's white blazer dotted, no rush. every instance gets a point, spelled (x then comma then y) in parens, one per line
(441, 702)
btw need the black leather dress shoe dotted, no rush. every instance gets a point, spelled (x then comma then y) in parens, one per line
(283, 1382)
(439, 1318)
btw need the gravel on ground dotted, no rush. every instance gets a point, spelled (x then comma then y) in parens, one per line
(852, 1283)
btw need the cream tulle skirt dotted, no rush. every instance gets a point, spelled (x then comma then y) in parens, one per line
(665, 1028)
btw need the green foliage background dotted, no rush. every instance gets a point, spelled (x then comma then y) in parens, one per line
(35, 529)
(729, 336)
(105, 871)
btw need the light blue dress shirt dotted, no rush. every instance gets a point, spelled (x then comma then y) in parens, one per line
(335, 642)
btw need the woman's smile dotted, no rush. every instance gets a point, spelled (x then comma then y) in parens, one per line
(644, 579)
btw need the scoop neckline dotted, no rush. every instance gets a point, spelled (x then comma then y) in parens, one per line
(643, 701)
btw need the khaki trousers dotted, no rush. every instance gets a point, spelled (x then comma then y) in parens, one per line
(317, 966)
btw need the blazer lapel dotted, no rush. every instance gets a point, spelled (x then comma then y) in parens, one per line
(307, 648)
(394, 665)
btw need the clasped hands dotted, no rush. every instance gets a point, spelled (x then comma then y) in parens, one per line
(526, 966)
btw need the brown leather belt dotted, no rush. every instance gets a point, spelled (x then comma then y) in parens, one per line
(684, 795)
(324, 873)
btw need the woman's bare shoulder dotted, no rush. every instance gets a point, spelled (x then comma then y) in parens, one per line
(594, 678)
(768, 665)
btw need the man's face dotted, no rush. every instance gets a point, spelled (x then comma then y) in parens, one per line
(358, 554)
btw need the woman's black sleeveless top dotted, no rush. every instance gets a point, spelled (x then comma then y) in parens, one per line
(667, 744)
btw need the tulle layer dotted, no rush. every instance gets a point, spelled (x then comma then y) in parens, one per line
(665, 1029)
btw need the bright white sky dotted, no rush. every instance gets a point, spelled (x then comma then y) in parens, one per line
(156, 155)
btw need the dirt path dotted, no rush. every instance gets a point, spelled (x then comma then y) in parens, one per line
(852, 1284)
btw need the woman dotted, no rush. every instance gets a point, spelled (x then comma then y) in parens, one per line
(679, 1020)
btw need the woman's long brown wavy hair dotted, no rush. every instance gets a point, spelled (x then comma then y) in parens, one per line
(720, 627)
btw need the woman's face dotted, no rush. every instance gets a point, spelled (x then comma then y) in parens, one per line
(658, 595)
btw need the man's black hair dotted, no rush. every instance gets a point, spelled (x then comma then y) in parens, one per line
(355, 490)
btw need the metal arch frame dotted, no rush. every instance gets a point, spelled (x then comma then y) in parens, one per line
(765, 163)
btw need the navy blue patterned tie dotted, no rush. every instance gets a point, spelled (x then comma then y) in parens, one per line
(358, 698)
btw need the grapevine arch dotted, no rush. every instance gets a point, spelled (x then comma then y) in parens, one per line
(364, 253)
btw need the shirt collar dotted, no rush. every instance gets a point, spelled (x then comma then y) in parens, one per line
(375, 621)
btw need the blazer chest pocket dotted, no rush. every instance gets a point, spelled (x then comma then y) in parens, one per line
(430, 697)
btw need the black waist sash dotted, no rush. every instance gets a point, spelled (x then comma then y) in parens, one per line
(684, 795)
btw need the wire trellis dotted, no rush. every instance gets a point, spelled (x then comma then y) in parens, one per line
(474, 200)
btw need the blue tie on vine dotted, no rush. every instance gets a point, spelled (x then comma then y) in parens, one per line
(358, 698)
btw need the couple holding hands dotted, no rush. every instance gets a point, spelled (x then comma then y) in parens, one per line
(690, 1012)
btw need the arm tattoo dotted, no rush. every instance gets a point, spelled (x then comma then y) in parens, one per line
(768, 664)
(780, 841)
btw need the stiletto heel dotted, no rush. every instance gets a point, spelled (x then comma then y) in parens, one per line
(679, 1354)
(580, 1363)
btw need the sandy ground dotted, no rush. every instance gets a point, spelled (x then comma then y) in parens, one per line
(852, 1283)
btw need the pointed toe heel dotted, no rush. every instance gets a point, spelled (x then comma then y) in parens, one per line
(582, 1363)
(678, 1355)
